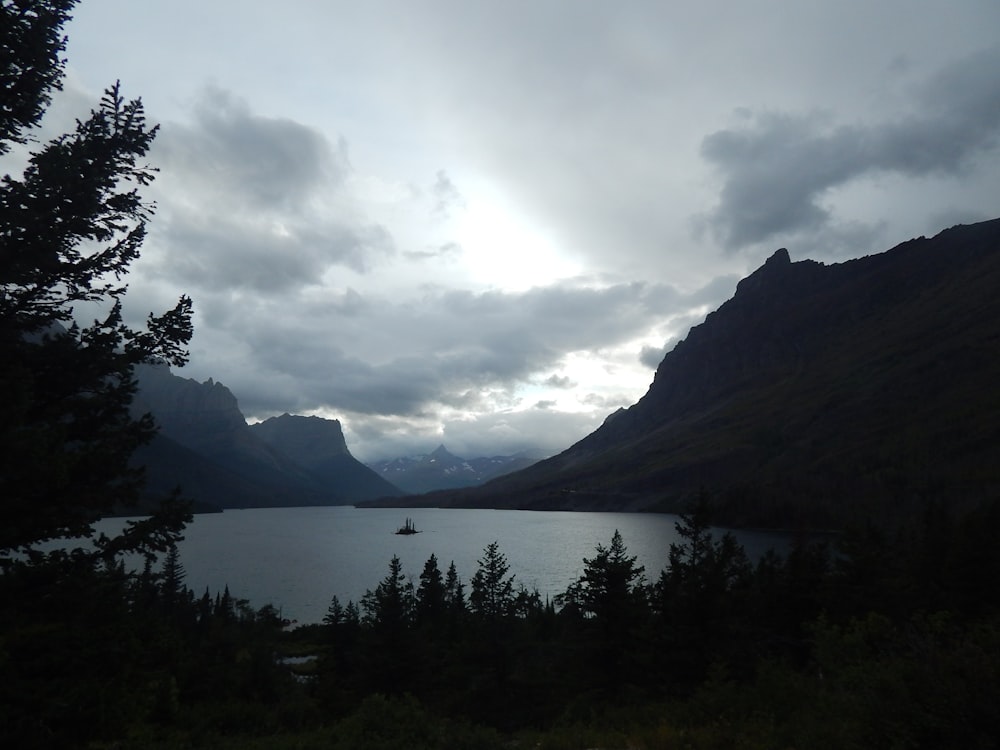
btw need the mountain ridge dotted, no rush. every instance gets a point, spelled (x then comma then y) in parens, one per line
(817, 394)
(318, 445)
(205, 446)
(441, 469)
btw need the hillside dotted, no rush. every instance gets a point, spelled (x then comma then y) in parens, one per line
(816, 395)
(206, 447)
(318, 446)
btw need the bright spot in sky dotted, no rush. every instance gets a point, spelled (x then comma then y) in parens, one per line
(503, 250)
(600, 380)
(606, 372)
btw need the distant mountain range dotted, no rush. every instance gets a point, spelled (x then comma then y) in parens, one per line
(443, 470)
(816, 396)
(206, 447)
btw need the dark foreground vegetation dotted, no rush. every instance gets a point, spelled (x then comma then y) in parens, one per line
(889, 639)
(884, 640)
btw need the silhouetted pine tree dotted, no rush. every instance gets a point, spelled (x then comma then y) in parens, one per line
(431, 596)
(172, 590)
(611, 597)
(334, 613)
(387, 614)
(73, 669)
(492, 595)
(699, 594)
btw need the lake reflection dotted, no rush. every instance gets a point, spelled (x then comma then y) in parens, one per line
(299, 558)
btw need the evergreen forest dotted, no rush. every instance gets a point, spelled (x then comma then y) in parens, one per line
(880, 636)
(873, 639)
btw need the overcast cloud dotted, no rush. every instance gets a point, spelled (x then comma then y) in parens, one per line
(777, 168)
(484, 224)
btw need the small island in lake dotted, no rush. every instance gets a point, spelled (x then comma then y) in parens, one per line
(407, 528)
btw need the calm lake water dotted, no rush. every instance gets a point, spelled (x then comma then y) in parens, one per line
(299, 558)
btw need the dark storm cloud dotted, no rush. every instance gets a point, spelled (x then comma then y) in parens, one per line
(510, 335)
(271, 162)
(651, 356)
(251, 202)
(215, 253)
(778, 167)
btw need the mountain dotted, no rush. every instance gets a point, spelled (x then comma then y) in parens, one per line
(816, 396)
(208, 485)
(206, 419)
(318, 446)
(441, 469)
(206, 446)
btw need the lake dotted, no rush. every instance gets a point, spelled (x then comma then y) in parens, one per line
(299, 558)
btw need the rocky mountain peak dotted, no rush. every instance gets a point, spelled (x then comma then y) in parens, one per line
(443, 469)
(194, 413)
(206, 446)
(778, 276)
(309, 440)
(818, 394)
(441, 452)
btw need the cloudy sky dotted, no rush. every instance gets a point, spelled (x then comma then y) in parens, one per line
(483, 223)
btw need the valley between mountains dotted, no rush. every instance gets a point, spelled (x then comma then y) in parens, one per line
(816, 395)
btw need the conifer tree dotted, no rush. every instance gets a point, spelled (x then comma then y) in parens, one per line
(30, 67)
(389, 608)
(454, 590)
(431, 601)
(172, 586)
(334, 613)
(611, 596)
(225, 608)
(72, 222)
(492, 595)
(702, 568)
(699, 593)
(70, 227)
(352, 615)
(205, 608)
(611, 588)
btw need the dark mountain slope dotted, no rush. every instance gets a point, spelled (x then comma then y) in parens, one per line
(211, 487)
(318, 446)
(205, 418)
(206, 447)
(816, 395)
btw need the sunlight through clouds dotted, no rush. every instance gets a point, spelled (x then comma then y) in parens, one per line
(503, 249)
(476, 223)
